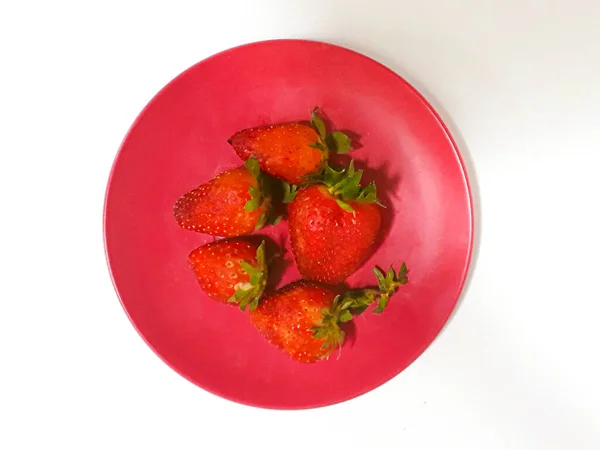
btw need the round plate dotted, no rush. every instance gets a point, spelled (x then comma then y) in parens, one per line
(180, 141)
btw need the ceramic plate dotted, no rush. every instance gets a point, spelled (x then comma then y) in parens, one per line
(180, 141)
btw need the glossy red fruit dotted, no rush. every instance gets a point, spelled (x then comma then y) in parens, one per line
(232, 271)
(303, 318)
(232, 204)
(331, 234)
(287, 317)
(284, 151)
(290, 151)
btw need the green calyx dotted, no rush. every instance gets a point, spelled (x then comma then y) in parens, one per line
(249, 293)
(329, 330)
(289, 192)
(343, 184)
(259, 195)
(256, 192)
(354, 302)
(335, 142)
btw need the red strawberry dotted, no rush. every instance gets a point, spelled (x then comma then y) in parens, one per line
(231, 204)
(290, 151)
(303, 318)
(231, 270)
(286, 319)
(333, 225)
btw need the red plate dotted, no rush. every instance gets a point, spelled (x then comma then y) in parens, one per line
(180, 140)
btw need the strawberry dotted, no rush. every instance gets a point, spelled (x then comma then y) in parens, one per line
(290, 151)
(286, 318)
(231, 204)
(333, 225)
(231, 270)
(303, 318)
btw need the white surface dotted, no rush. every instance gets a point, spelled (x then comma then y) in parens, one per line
(517, 367)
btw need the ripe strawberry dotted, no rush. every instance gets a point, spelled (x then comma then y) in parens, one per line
(231, 270)
(290, 151)
(286, 319)
(231, 204)
(303, 318)
(333, 225)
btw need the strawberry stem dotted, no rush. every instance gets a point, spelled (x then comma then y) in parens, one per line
(354, 302)
(357, 301)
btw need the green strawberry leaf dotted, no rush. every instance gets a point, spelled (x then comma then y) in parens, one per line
(350, 169)
(368, 194)
(245, 302)
(250, 293)
(389, 278)
(381, 305)
(249, 269)
(347, 303)
(255, 278)
(254, 303)
(256, 198)
(253, 167)
(254, 192)
(239, 295)
(262, 219)
(345, 316)
(358, 310)
(403, 270)
(289, 192)
(351, 189)
(242, 297)
(345, 206)
(338, 142)
(319, 332)
(330, 176)
(380, 279)
(260, 195)
(260, 255)
(317, 123)
(252, 205)
(345, 185)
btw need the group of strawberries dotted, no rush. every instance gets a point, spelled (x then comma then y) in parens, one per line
(333, 223)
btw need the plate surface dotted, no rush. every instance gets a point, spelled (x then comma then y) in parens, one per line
(180, 141)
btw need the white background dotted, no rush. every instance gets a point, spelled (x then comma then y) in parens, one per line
(518, 365)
